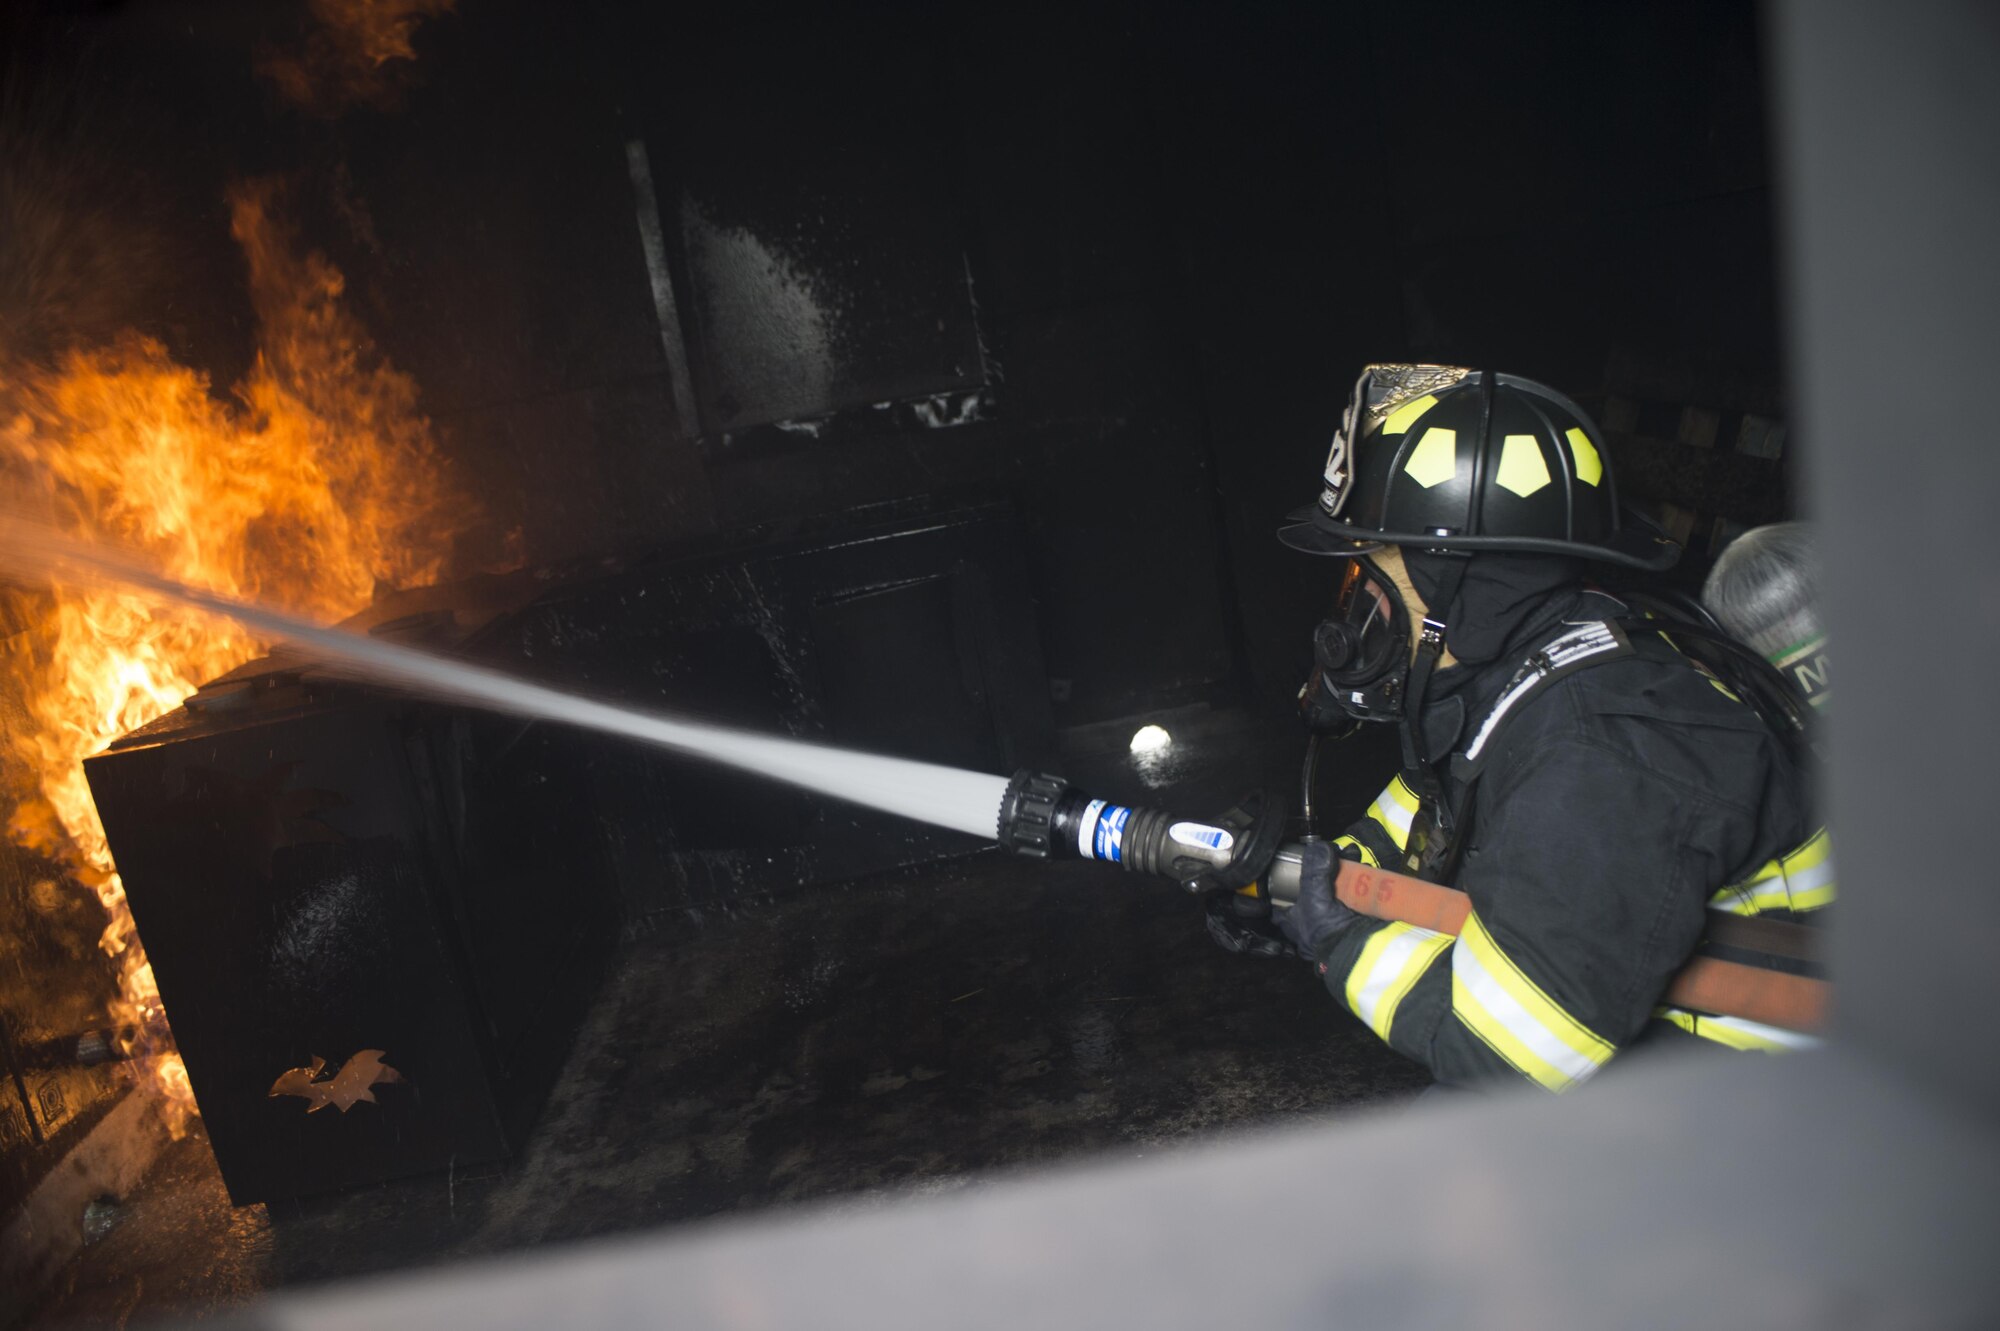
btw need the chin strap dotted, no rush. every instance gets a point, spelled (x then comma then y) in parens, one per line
(1430, 650)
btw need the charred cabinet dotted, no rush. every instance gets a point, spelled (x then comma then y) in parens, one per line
(374, 923)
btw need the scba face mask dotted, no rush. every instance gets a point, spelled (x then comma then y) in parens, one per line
(1361, 653)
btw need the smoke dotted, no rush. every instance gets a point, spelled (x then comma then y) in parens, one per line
(75, 269)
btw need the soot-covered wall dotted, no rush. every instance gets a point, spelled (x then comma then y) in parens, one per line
(667, 271)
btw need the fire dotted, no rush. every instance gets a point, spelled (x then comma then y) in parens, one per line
(377, 31)
(349, 52)
(315, 481)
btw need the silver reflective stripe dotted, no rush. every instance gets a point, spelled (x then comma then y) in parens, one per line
(1499, 712)
(1757, 1030)
(1391, 814)
(1592, 639)
(1388, 969)
(1738, 1032)
(1780, 891)
(1808, 880)
(1500, 1006)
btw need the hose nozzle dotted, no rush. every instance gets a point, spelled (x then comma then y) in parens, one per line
(1044, 817)
(1028, 812)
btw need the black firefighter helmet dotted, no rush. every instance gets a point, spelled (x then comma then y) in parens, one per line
(1450, 459)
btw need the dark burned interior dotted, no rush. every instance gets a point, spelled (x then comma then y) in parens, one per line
(928, 381)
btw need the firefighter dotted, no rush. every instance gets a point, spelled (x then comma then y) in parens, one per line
(1592, 789)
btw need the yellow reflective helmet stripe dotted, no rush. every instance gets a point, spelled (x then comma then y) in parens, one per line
(1589, 466)
(1394, 810)
(1391, 962)
(1511, 1014)
(1802, 880)
(1435, 458)
(1737, 1032)
(1522, 467)
(1367, 855)
(1402, 418)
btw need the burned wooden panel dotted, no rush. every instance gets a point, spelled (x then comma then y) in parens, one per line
(56, 988)
(374, 921)
(900, 671)
(332, 882)
(915, 636)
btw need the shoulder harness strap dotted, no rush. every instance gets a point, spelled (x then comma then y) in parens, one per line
(1579, 647)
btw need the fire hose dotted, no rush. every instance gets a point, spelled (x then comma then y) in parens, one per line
(1044, 817)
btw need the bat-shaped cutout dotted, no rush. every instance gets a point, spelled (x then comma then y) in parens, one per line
(344, 1090)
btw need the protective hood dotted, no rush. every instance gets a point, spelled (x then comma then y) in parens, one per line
(1497, 597)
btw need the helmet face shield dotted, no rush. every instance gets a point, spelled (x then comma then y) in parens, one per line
(1362, 651)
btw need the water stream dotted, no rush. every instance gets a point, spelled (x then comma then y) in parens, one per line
(943, 796)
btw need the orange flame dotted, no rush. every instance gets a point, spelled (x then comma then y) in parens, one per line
(346, 57)
(319, 480)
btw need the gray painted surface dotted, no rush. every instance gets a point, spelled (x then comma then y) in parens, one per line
(1893, 182)
(1681, 1196)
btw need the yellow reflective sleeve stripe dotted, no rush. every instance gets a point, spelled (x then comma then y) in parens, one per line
(1390, 963)
(1737, 1032)
(1800, 881)
(1394, 809)
(1507, 1010)
(1367, 855)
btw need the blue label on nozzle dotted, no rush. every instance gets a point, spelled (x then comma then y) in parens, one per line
(1086, 829)
(1111, 833)
(1202, 835)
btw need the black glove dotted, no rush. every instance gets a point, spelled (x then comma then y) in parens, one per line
(1243, 925)
(1317, 918)
(1238, 923)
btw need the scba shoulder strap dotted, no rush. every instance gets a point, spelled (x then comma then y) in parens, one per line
(1440, 831)
(1581, 646)
(1597, 642)
(1769, 944)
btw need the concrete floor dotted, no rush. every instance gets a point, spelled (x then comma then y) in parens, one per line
(896, 1035)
